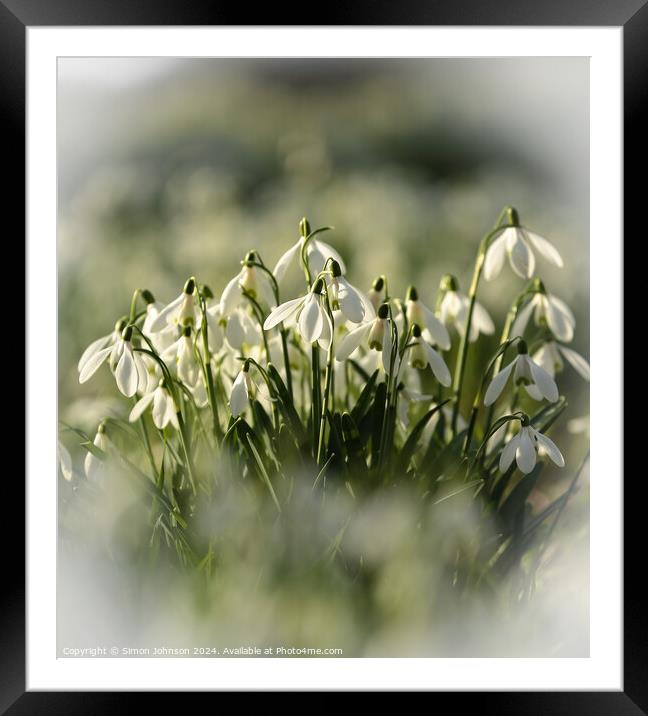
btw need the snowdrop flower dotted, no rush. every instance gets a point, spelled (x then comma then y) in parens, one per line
(248, 280)
(313, 322)
(160, 339)
(182, 353)
(242, 389)
(376, 334)
(417, 312)
(164, 408)
(346, 298)
(182, 311)
(525, 446)
(537, 382)
(317, 253)
(422, 354)
(127, 366)
(547, 310)
(65, 461)
(454, 309)
(89, 363)
(550, 356)
(518, 243)
(94, 467)
(376, 293)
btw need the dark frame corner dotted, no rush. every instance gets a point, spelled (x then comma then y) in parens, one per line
(632, 15)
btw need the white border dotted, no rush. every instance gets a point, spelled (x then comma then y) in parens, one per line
(603, 669)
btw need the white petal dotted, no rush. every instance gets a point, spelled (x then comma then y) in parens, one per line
(239, 395)
(522, 319)
(497, 384)
(482, 319)
(231, 296)
(562, 306)
(533, 390)
(544, 381)
(577, 362)
(525, 455)
(283, 312)
(140, 407)
(351, 341)
(439, 368)
(214, 331)
(65, 460)
(387, 347)
(126, 373)
(311, 320)
(550, 447)
(520, 256)
(285, 261)
(318, 253)
(351, 303)
(558, 321)
(166, 315)
(508, 453)
(160, 408)
(92, 350)
(437, 330)
(495, 255)
(92, 365)
(544, 248)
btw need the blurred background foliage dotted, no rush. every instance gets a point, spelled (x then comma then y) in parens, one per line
(173, 167)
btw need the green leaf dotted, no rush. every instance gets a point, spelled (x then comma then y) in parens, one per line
(378, 416)
(412, 441)
(510, 509)
(362, 404)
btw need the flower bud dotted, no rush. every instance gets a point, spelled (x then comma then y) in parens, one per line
(207, 292)
(378, 284)
(318, 286)
(304, 227)
(449, 283)
(513, 216)
(190, 285)
(416, 330)
(412, 294)
(383, 310)
(522, 348)
(335, 269)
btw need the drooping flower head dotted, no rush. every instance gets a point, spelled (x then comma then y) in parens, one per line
(537, 382)
(418, 313)
(164, 410)
(454, 309)
(317, 253)
(517, 243)
(525, 446)
(182, 311)
(375, 334)
(422, 354)
(548, 311)
(346, 298)
(312, 319)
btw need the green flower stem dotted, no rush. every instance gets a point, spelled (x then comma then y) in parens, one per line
(284, 345)
(316, 395)
(211, 393)
(327, 384)
(147, 443)
(506, 334)
(462, 353)
(133, 306)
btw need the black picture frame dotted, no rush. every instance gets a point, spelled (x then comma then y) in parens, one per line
(17, 15)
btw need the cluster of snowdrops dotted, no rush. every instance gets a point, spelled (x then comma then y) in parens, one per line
(340, 380)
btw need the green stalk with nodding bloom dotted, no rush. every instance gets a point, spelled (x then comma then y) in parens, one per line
(462, 353)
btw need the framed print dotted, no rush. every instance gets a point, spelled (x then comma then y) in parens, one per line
(312, 312)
